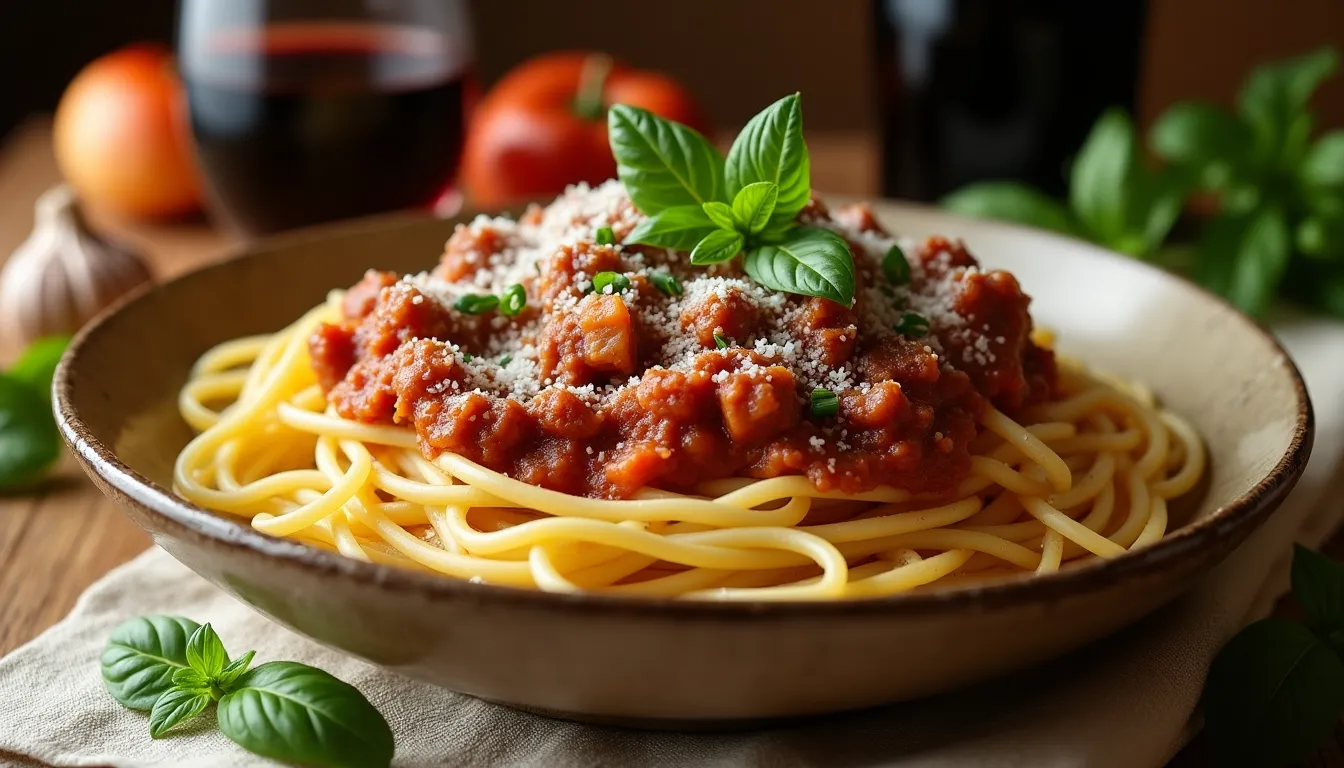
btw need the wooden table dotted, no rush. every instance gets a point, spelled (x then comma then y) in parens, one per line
(56, 542)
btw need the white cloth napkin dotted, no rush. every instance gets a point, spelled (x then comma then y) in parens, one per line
(1124, 702)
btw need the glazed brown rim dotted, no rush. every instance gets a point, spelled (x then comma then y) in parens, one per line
(1232, 521)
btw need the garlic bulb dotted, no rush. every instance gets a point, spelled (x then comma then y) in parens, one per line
(64, 273)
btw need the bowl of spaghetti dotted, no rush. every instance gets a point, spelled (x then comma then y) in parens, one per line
(591, 479)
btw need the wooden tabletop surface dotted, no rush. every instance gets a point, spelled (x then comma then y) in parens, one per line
(58, 540)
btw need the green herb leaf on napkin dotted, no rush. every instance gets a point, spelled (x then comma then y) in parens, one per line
(141, 656)
(1274, 692)
(176, 706)
(205, 652)
(298, 713)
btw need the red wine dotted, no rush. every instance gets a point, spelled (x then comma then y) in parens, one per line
(303, 123)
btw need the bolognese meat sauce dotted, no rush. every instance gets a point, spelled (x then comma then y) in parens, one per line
(671, 374)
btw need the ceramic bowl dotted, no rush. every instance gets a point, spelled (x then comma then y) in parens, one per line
(692, 664)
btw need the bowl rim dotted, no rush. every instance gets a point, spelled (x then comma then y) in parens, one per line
(1238, 517)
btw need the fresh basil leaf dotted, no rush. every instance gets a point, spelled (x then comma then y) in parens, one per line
(235, 669)
(1261, 260)
(29, 442)
(1011, 201)
(1297, 140)
(661, 163)
(1318, 585)
(1273, 694)
(1303, 74)
(666, 284)
(1205, 139)
(678, 228)
(205, 652)
(1243, 257)
(1215, 259)
(771, 148)
(1324, 202)
(754, 204)
(1275, 97)
(810, 261)
(191, 679)
(1324, 164)
(1166, 193)
(296, 713)
(1319, 237)
(141, 656)
(37, 365)
(176, 706)
(895, 266)
(718, 246)
(776, 231)
(722, 215)
(1101, 180)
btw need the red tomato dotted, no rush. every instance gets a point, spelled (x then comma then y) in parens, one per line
(121, 137)
(527, 139)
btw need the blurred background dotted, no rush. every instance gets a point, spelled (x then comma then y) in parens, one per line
(846, 57)
(1223, 121)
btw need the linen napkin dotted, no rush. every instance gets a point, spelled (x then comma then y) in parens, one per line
(1126, 701)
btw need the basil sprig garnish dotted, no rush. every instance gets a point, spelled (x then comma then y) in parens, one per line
(175, 668)
(1275, 692)
(748, 204)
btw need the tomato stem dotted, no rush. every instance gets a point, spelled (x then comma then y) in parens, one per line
(588, 102)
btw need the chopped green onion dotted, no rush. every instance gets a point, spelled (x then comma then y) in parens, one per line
(720, 342)
(665, 283)
(605, 236)
(505, 360)
(824, 404)
(476, 303)
(913, 324)
(514, 299)
(467, 357)
(615, 280)
(895, 267)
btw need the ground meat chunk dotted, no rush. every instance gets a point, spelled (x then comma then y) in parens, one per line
(400, 314)
(995, 360)
(561, 413)
(609, 340)
(332, 349)
(359, 301)
(758, 405)
(468, 250)
(730, 316)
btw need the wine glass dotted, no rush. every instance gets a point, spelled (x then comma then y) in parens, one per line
(305, 111)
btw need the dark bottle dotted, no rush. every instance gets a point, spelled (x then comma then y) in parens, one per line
(972, 90)
(305, 111)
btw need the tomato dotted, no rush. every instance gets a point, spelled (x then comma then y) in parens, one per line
(121, 138)
(535, 133)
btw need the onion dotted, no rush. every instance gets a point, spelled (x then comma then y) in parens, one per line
(121, 137)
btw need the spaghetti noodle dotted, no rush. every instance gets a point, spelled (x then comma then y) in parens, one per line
(1087, 472)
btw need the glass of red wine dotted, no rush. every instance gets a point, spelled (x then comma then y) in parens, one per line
(306, 111)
